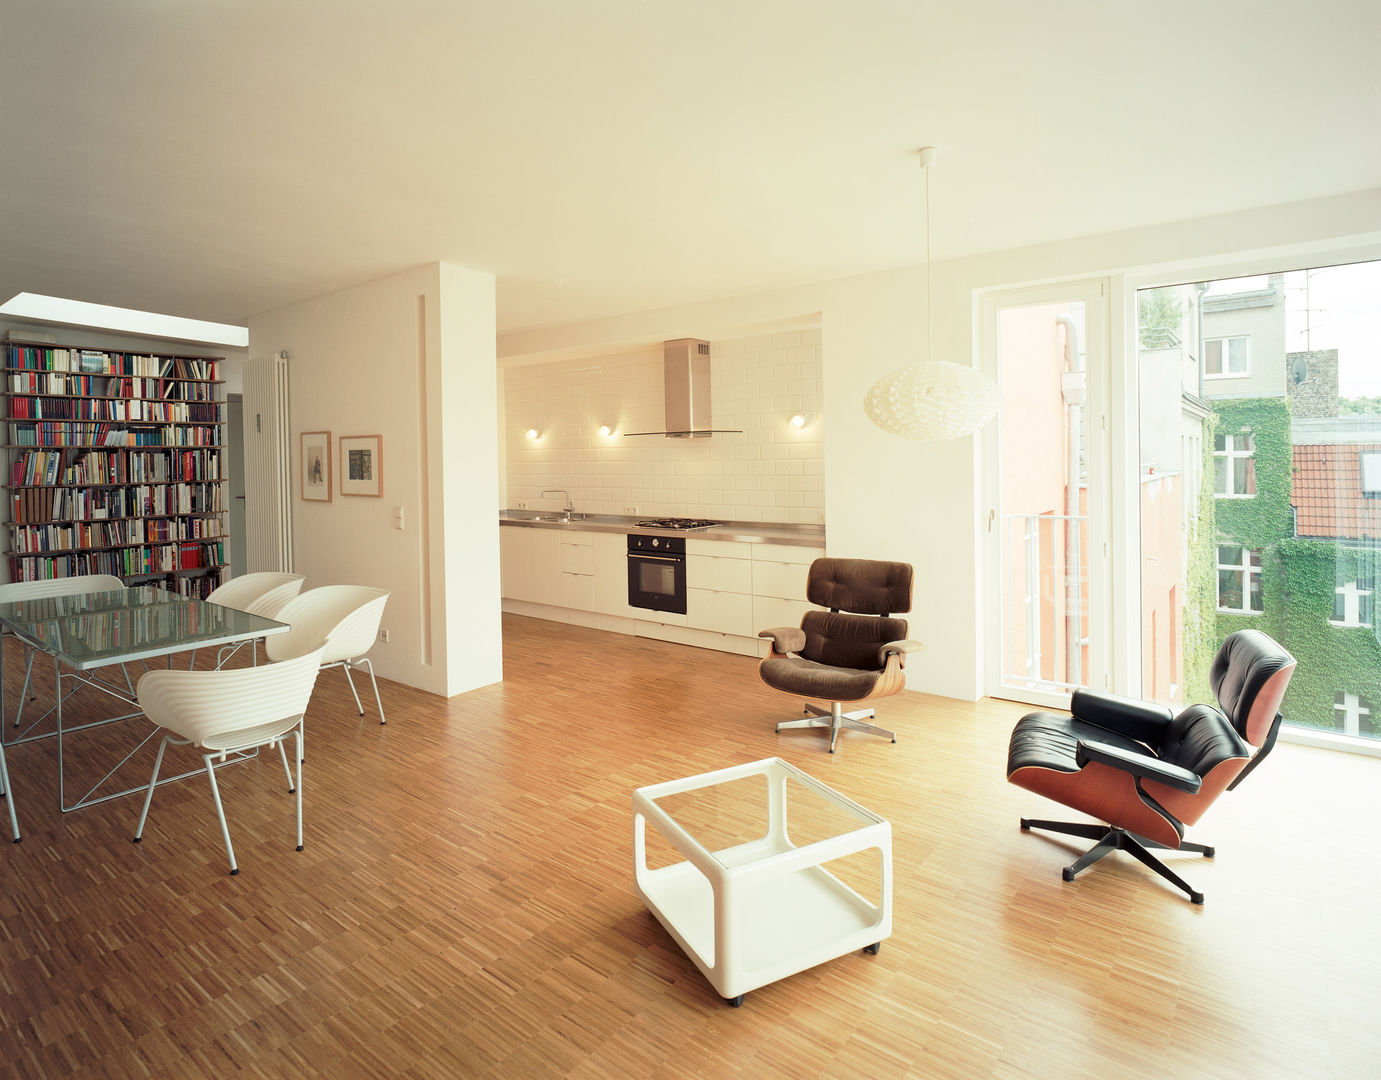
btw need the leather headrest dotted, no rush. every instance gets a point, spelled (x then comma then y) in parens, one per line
(862, 586)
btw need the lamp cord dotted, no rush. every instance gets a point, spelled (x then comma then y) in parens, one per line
(929, 319)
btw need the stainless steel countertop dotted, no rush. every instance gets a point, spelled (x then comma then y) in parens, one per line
(743, 532)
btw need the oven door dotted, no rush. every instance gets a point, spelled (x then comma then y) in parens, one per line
(657, 582)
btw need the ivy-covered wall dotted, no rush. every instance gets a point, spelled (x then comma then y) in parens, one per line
(1331, 658)
(1298, 578)
(1201, 639)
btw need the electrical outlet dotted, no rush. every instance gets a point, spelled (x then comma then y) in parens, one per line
(629, 508)
(522, 504)
(383, 634)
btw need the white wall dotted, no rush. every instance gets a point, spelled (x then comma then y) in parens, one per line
(922, 502)
(769, 471)
(411, 358)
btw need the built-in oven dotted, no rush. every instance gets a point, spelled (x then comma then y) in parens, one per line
(657, 572)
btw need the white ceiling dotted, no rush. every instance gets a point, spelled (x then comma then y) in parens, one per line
(217, 158)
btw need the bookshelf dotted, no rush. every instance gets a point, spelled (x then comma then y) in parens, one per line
(114, 464)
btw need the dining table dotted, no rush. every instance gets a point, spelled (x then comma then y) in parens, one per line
(90, 635)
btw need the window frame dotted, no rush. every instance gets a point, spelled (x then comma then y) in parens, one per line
(1352, 597)
(1231, 455)
(1248, 570)
(1246, 371)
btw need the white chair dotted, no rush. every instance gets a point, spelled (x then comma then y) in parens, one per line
(260, 593)
(347, 616)
(7, 793)
(226, 712)
(17, 591)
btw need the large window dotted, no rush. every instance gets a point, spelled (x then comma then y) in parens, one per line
(1352, 716)
(1351, 605)
(1272, 520)
(1234, 472)
(1239, 579)
(1225, 357)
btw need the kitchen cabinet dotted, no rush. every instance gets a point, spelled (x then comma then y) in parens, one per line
(530, 565)
(577, 566)
(611, 576)
(719, 587)
(733, 588)
(779, 584)
(515, 563)
(546, 567)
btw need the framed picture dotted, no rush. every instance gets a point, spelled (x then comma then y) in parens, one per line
(316, 466)
(362, 465)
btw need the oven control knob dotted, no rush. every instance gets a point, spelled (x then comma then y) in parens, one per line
(656, 542)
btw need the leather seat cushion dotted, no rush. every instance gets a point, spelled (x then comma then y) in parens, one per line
(838, 639)
(797, 675)
(1044, 740)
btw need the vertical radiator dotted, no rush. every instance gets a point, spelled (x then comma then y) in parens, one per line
(268, 465)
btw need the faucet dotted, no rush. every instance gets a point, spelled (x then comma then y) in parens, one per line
(569, 508)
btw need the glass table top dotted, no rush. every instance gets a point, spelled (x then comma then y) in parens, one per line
(759, 809)
(89, 630)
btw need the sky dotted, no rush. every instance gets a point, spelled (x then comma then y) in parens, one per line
(1332, 307)
(1339, 307)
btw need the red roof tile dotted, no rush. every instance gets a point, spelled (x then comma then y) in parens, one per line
(1327, 492)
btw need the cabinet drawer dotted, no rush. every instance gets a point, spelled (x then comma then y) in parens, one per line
(724, 612)
(721, 575)
(786, 553)
(770, 612)
(578, 591)
(720, 549)
(577, 558)
(782, 580)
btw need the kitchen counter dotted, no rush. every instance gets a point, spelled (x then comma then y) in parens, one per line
(743, 532)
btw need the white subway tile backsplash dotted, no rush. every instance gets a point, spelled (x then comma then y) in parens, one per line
(758, 383)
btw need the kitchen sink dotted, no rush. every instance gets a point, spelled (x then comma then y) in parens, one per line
(563, 519)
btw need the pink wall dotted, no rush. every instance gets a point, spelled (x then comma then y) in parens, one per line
(1034, 470)
(1162, 588)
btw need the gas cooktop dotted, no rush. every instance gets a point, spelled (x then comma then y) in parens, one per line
(676, 523)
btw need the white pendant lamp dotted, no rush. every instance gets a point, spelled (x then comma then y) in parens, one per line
(934, 399)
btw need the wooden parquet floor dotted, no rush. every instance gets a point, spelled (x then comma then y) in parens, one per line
(465, 904)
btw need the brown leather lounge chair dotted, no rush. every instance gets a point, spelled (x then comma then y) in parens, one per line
(853, 652)
(1145, 771)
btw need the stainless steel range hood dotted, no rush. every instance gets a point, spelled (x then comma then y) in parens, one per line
(686, 380)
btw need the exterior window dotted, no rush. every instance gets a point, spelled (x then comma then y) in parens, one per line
(1371, 473)
(1239, 579)
(1352, 606)
(1234, 470)
(1350, 713)
(1225, 358)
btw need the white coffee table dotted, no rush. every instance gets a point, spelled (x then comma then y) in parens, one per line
(759, 905)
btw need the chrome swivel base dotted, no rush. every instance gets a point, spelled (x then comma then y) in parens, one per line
(837, 720)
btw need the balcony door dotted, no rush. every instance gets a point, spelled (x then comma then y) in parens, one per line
(1046, 478)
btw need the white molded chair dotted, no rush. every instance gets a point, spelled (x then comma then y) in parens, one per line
(7, 793)
(16, 591)
(347, 616)
(261, 593)
(225, 712)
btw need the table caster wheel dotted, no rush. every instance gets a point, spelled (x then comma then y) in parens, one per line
(873, 948)
(736, 1002)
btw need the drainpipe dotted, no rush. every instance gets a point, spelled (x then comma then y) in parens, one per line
(1074, 390)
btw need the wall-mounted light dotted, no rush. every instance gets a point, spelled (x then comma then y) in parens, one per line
(533, 433)
(607, 430)
(799, 421)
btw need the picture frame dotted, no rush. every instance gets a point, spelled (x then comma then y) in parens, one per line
(316, 466)
(362, 465)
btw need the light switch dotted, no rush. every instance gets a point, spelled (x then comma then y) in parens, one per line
(399, 519)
